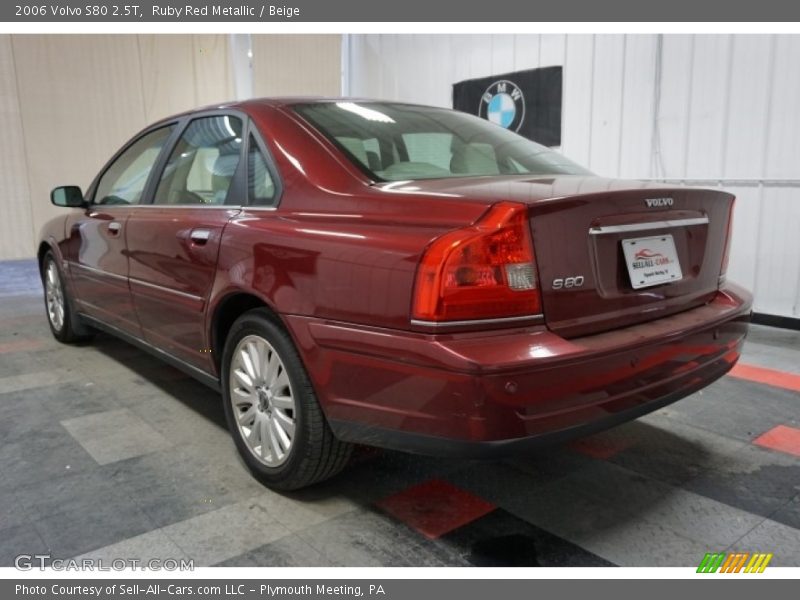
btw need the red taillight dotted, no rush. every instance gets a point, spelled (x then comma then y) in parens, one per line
(483, 271)
(726, 255)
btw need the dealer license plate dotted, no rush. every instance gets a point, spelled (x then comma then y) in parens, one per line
(652, 261)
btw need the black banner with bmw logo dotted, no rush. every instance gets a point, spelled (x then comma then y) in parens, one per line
(528, 102)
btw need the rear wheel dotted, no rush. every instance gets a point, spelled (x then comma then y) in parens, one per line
(272, 410)
(64, 322)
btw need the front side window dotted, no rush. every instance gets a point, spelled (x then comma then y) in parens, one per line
(124, 181)
(394, 142)
(201, 167)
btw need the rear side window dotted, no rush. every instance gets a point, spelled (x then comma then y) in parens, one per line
(124, 181)
(260, 185)
(201, 167)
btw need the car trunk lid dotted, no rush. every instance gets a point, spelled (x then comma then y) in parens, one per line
(632, 255)
(581, 227)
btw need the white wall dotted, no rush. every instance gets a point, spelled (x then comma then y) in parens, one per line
(720, 110)
(301, 65)
(68, 102)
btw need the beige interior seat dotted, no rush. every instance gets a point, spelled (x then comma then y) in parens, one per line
(473, 160)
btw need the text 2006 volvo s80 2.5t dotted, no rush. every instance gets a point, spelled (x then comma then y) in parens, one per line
(415, 278)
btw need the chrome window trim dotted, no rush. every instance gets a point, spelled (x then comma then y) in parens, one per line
(188, 206)
(205, 206)
(647, 226)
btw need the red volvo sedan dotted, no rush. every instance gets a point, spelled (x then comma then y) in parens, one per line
(350, 271)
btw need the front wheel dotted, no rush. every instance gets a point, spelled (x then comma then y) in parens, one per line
(272, 410)
(64, 322)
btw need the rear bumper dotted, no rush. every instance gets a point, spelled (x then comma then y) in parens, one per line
(505, 392)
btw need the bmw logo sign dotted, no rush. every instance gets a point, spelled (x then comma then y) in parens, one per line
(503, 104)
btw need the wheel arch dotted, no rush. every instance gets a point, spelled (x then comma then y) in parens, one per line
(225, 312)
(44, 248)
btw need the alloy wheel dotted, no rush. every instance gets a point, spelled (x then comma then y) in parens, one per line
(54, 296)
(262, 400)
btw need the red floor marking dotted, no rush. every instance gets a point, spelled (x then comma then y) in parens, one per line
(781, 438)
(599, 446)
(435, 507)
(789, 381)
(20, 346)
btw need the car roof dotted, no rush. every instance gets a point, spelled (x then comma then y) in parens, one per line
(253, 104)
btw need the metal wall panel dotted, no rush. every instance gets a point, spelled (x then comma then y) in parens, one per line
(607, 115)
(715, 110)
(708, 109)
(778, 246)
(552, 50)
(674, 99)
(744, 250)
(576, 110)
(502, 53)
(783, 149)
(748, 116)
(637, 107)
(527, 51)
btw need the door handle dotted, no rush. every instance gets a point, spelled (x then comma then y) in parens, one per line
(114, 228)
(200, 236)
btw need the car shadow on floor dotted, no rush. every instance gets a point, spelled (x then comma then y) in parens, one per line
(545, 503)
(551, 505)
(151, 371)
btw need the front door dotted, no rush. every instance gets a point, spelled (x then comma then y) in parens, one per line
(173, 243)
(95, 248)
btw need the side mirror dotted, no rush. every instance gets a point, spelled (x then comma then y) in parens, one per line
(69, 196)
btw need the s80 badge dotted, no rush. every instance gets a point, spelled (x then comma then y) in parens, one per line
(564, 283)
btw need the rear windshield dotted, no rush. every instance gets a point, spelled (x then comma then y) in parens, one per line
(398, 142)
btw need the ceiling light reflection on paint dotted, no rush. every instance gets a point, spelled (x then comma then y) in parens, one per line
(402, 187)
(367, 113)
(540, 352)
(227, 121)
(354, 236)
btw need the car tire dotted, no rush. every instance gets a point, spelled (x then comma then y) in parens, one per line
(269, 400)
(64, 322)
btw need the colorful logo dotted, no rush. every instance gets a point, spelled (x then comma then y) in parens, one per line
(735, 562)
(503, 104)
(646, 253)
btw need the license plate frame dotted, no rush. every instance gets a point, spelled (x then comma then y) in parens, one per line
(652, 260)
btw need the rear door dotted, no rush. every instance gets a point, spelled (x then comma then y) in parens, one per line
(95, 245)
(174, 241)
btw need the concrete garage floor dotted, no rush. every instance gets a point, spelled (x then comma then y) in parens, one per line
(105, 451)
